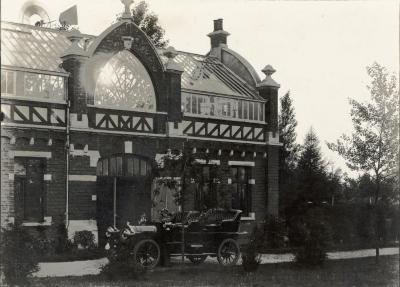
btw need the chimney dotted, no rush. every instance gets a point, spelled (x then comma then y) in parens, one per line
(218, 36)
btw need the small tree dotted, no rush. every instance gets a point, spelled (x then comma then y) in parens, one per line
(313, 237)
(373, 146)
(289, 152)
(148, 22)
(311, 171)
(287, 133)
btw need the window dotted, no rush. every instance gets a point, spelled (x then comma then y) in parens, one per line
(241, 195)
(206, 193)
(222, 107)
(124, 82)
(44, 86)
(121, 166)
(29, 189)
(8, 82)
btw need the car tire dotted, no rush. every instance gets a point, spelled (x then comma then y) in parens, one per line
(228, 252)
(146, 254)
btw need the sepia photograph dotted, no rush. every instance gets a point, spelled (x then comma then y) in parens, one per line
(200, 143)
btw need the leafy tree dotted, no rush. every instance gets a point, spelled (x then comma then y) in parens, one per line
(289, 152)
(148, 22)
(373, 146)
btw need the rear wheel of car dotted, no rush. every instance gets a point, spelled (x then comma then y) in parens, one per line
(146, 254)
(197, 259)
(228, 252)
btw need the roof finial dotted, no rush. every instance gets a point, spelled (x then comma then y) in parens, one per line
(268, 81)
(268, 70)
(170, 53)
(127, 12)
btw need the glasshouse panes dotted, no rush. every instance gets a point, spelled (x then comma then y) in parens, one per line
(222, 107)
(124, 82)
(7, 82)
(44, 86)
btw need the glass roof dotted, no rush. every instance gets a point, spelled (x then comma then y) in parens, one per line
(40, 48)
(209, 75)
(32, 47)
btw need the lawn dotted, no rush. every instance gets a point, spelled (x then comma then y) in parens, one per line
(350, 272)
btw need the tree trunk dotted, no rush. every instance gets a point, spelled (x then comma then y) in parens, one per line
(377, 188)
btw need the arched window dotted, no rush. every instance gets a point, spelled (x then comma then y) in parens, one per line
(124, 82)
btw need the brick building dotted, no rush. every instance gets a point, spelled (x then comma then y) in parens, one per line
(85, 116)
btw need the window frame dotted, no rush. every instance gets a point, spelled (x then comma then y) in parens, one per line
(235, 180)
(200, 196)
(218, 107)
(37, 97)
(43, 195)
(14, 76)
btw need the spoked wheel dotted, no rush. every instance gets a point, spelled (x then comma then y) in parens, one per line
(197, 259)
(228, 252)
(146, 254)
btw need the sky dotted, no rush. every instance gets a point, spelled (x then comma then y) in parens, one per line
(320, 49)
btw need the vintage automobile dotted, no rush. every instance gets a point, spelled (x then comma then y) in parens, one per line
(212, 233)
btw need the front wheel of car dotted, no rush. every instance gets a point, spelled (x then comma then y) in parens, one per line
(228, 252)
(146, 254)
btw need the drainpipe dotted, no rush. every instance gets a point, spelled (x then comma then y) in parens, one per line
(115, 201)
(67, 167)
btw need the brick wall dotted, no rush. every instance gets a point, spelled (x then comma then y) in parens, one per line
(273, 180)
(54, 189)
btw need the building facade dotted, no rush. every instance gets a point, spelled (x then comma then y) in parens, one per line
(85, 116)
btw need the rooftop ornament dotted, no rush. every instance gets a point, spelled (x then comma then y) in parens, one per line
(75, 37)
(268, 81)
(171, 53)
(127, 12)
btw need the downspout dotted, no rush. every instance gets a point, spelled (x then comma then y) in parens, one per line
(67, 166)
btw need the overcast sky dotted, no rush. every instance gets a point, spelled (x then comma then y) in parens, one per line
(320, 49)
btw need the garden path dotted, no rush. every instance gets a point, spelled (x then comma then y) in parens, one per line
(92, 267)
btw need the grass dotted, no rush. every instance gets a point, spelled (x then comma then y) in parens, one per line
(350, 272)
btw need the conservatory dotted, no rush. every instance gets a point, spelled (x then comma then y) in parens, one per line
(86, 118)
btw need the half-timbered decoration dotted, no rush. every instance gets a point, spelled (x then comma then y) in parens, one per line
(85, 119)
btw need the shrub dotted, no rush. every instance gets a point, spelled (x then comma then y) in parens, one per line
(63, 244)
(365, 224)
(19, 255)
(250, 255)
(122, 266)
(85, 239)
(312, 237)
(275, 229)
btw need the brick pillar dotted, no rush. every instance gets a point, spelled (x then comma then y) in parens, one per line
(174, 95)
(76, 89)
(73, 60)
(173, 75)
(268, 89)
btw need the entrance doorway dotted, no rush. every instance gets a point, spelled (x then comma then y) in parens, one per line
(123, 191)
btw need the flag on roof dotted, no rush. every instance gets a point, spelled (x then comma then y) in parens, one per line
(69, 17)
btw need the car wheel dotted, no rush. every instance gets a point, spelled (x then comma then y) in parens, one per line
(197, 259)
(228, 252)
(146, 254)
